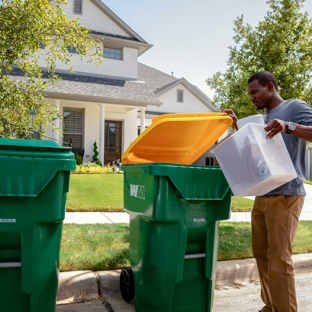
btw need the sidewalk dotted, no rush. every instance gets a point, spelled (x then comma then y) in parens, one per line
(123, 217)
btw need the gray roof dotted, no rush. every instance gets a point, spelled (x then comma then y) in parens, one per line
(159, 83)
(102, 87)
(154, 79)
(98, 89)
(143, 92)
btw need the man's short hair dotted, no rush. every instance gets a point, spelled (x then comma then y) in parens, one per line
(264, 77)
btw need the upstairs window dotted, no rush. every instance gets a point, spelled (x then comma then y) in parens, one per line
(112, 53)
(180, 96)
(78, 6)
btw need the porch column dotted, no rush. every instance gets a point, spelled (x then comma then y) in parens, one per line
(142, 125)
(102, 133)
(56, 123)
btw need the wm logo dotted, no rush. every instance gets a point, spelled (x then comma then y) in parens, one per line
(137, 191)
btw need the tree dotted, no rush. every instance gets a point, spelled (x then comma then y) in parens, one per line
(24, 26)
(281, 44)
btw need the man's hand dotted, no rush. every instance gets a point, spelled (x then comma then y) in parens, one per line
(232, 115)
(274, 127)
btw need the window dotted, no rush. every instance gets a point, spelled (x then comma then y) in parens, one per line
(78, 6)
(41, 45)
(112, 53)
(180, 96)
(73, 127)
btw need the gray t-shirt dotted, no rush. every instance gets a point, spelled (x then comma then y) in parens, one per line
(299, 112)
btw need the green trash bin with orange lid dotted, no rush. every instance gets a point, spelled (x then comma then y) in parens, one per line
(34, 182)
(175, 208)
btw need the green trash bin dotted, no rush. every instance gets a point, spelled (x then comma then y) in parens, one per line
(34, 181)
(174, 211)
(174, 215)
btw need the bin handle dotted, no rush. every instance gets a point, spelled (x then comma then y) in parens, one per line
(194, 256)
(10, 264)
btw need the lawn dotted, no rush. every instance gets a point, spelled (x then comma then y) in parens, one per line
(106, 246)
(104, 192)
(95, 192)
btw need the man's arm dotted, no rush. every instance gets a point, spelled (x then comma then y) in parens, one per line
(276, 126)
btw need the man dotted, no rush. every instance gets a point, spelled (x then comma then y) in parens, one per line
(275, 215)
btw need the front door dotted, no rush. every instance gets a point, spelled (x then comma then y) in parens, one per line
(112, 141)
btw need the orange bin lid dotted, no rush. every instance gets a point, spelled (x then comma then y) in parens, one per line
(177, 138)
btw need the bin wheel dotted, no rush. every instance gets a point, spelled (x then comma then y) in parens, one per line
(127, 283)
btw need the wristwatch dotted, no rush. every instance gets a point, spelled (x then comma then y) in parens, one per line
(291, 127)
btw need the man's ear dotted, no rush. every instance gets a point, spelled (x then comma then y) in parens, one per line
(271, 86)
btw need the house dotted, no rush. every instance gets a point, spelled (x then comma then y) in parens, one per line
(112, 103)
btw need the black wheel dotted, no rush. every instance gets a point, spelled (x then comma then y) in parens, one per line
(127, 284)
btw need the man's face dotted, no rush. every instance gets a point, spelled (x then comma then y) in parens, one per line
(260, 95)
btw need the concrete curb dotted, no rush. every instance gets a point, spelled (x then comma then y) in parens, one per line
(82, 286)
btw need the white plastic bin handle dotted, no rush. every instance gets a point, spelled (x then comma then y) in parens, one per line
(194, 256)
(10, 264)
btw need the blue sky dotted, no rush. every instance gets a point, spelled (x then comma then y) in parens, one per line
(190, 37)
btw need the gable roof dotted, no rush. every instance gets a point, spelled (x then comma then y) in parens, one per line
(160, 83)
(96, 89)
(133, 36)
(150, 85)
(117, 20)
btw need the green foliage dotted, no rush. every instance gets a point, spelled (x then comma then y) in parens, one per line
(78, 159)
(95, 151)
(98, 162)
(23, 25)
(281, 44)
(96, 167)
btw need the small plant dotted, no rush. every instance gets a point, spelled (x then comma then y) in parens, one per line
(78, 159)
(92, 167)
(95, 151)
(98, 162)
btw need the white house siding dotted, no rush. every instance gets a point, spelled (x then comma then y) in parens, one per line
(124, 69)
(92, 124)
(130, 129)
(170, 104)
(93, 18)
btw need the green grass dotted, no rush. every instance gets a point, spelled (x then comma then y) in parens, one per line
(94, 247)
(104, 192)
(95, 192)
(241, 204)
(106, 246)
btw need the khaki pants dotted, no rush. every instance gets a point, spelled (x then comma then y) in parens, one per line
(274, 224)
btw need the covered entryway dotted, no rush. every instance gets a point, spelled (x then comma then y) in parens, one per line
(112, 141)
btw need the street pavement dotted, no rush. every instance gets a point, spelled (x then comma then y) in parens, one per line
(237, 289)
(237, 285)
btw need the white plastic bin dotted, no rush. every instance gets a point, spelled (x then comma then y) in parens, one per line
(252, 164)
(251, 119)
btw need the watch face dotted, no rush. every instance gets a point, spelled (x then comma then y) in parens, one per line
(291, 126)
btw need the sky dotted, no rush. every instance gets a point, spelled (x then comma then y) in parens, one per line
(190, 37)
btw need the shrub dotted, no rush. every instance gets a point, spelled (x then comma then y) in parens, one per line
(78, 159)
(98, 162)
(95, 151)
(92, 167)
